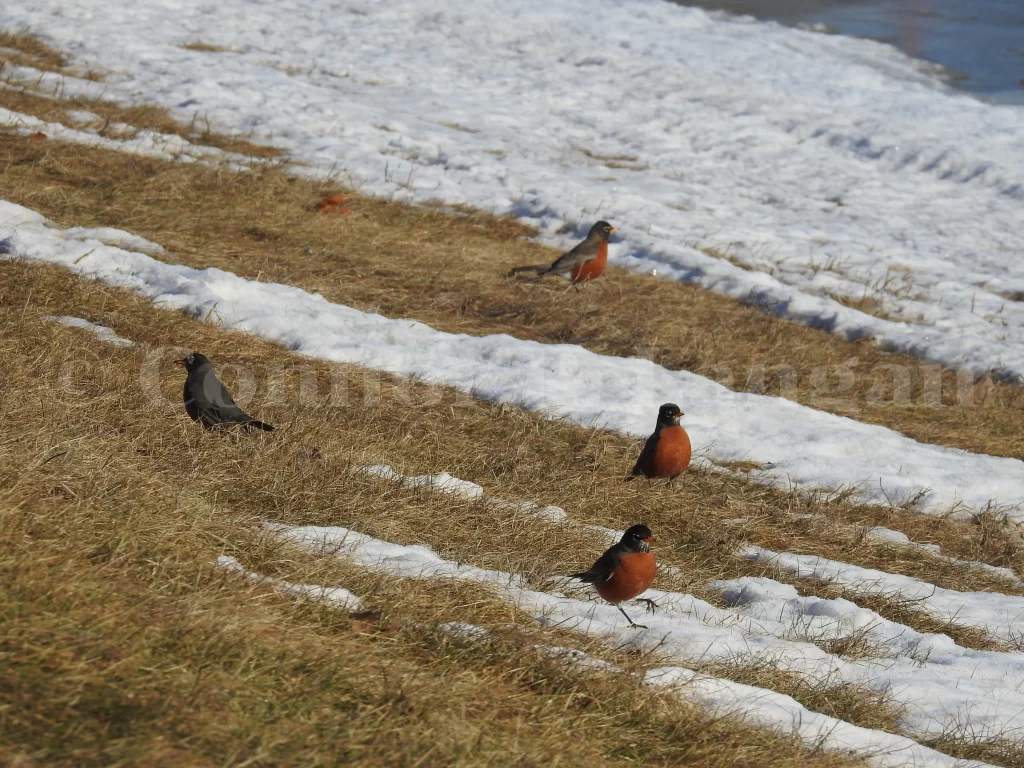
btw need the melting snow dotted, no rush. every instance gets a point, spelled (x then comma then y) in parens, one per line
(336, 596)
(878, 533)
(806, 448)
(101, 332)
(162, 146)
(997, 614)
(841, 170)
(442, 482)
(937, 681)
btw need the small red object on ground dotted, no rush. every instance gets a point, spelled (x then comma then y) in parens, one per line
(333, 204)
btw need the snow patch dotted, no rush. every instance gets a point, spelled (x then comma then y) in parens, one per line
(441, 482)
(938, 682)
(842, 170)
(886, 535)
(807, 448)
(335, 596)
(162, 146)
(997, 614)
(101, 332)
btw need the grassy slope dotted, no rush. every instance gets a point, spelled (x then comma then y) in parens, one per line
(103, 497)
(448, 271)
(121, 644)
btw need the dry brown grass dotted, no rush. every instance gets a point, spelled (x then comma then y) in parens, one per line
(102, 478)
(144, 448)
(121, 644)
(961, 743)
(251, 223)
(199, 45)
(115, 465)
(446, 270)
(25, 50)
(147, 454)
(29, 99)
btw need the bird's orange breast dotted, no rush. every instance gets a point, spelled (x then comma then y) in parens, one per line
(672, 454)
(588, 270)
(632, 576)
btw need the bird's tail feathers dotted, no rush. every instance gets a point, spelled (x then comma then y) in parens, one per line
(254, 424)
(537, 269)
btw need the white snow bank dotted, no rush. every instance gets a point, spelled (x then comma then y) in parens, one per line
(446, 483)
(162, 146)
(805, 448)
(758, 707)
(336, 596)
(441, 482)
(557, 515)
(889, 536)
(938, 682)
(761, 706)
(839, 170)
(118, 237)
(753, 706)
(999, 615)
(546, 513)
(101, 332)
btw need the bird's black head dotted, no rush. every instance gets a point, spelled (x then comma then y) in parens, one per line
(668, 415)
(192, 361)
(638, 537)
(602, 230)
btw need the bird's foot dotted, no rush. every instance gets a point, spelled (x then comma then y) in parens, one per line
(651, 605)
(634, 625)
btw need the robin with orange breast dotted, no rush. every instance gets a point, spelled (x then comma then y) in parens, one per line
(583, 263)
(626, 570)
(667, 452)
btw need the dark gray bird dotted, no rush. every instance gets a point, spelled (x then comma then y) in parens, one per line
(208, 402)
(583, 263)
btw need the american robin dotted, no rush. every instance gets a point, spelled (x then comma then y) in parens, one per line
(583, 263)
(667, 452)
(206, 399)
(626, 570)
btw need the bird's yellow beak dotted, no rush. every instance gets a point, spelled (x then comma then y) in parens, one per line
(180, 362)
(614, 229)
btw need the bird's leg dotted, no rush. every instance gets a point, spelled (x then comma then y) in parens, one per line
(651, 605)
(631, 622)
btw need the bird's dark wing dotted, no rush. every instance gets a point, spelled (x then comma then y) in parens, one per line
(581, 254)
(646, 455)
(191, 407)
(213, 401)
(603, 569)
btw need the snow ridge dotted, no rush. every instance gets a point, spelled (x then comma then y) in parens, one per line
(797, 446)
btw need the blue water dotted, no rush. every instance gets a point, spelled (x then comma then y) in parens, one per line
(980, 42)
